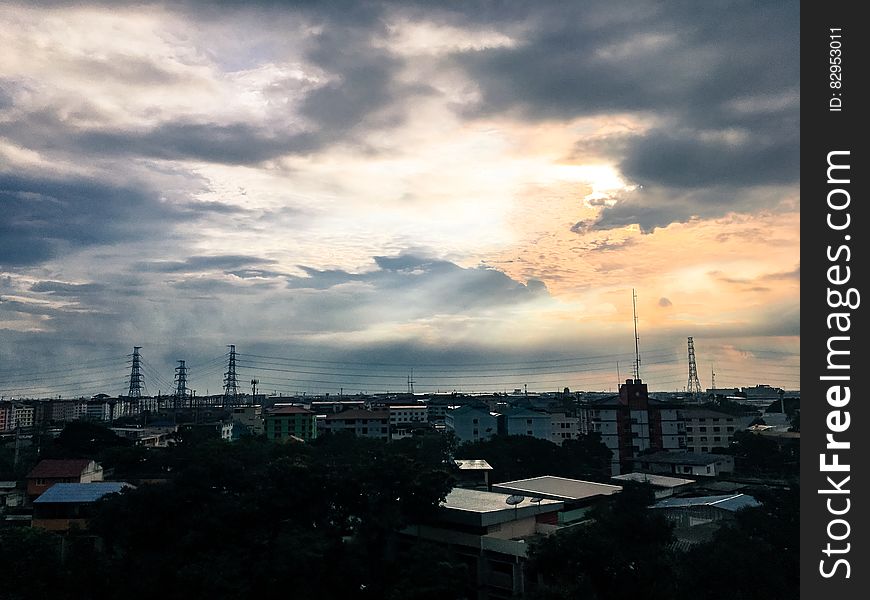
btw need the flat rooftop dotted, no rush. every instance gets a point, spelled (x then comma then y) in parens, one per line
(472, 465)
(661, 481)
(489, 508)
(557, 488)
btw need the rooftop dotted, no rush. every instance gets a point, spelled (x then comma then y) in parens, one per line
(51, 468)
(679, 458)
(661, 481)
(62, 493)
(732, 502)
(359, 414)
(558, 488)
(472, 465)
(489, 508)
(289, 410)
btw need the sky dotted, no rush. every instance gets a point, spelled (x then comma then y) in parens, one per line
(359, 193)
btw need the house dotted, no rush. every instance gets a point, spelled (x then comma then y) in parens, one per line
(51, 471)
(405, 419)
(685, 463)
(663, 486)
(68, 505)
(362, 423)
(471, 423)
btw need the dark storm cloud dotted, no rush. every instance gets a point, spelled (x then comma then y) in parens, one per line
(686, 161)
(194, 264)
(42, 216)
(438, 284)
(723, 76)
(234, 143)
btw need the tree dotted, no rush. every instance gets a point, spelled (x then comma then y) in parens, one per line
(624, 549)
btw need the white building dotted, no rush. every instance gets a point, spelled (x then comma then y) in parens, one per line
(563, 427)
(471, 424)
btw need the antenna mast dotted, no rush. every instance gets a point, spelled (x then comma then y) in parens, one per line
(636, 339)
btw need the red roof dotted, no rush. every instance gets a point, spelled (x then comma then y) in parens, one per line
(51, 468)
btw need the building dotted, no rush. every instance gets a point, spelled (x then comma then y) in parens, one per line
(405, 419)
(563, 427)
(697, 519)
(685, 463)
(287, 422)
(761, 395)
(471, 424)
(663, 486)
(473, 473)
(524, 421)
(152, 437)
(51, 471)
(248, 420)
(13, 416)
(490, 532)
(362, 423)
(708, 429)
(633, 423)
(577, 495)
(69, 505)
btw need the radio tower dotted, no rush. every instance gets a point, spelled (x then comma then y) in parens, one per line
(231, 384)
(180, 384)
(694, 385)
(636, 338)
(136, 383)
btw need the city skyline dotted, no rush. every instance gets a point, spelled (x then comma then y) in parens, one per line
(414, 185)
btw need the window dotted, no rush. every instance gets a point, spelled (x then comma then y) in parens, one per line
(702, 420)
(717, 439)
(716, 420)
(704, 449)
(717, 429)
(702, 429)
(365, 430)
(474, 421)
(689, 428)
(687, 469)
(475, 432)
(528, 421)
(690, 439)
(529, 432)
(704, 439)
(730, 430)
(708, 469)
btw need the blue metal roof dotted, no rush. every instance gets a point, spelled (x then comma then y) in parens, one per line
(80, 492)
(730, 502)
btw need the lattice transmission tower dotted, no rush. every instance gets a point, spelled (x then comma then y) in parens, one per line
(694, 385)
(137, 383)
(231, 382)
(181, 391)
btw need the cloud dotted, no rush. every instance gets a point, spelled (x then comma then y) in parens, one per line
(60, 288)
(43, 216)
(196, 264)
(665, 303)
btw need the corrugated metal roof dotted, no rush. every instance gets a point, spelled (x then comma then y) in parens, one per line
(62, 493)
(731, 502)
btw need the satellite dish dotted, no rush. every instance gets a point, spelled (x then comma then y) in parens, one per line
(537, 499)
(514, 500)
